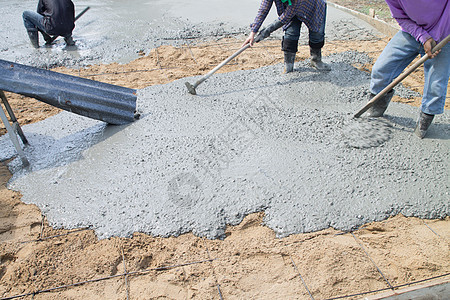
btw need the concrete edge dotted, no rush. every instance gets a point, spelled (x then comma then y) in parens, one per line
(435, 289)
(380, 25)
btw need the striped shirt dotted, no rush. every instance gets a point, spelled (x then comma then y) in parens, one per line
(310, 12)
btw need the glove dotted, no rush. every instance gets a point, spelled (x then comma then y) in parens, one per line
(265, 32)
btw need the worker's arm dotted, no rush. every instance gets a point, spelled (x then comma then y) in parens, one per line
(264, 33)
(263, 11)
(259, 19)
(261, 16)
(410, 26)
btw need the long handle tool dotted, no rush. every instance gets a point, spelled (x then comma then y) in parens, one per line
(192, 88)
(264, 33)
(401, 77)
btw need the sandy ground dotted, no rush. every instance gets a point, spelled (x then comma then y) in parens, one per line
(381, 10)
(249, 263)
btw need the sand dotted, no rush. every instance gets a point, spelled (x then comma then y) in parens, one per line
(249, 263)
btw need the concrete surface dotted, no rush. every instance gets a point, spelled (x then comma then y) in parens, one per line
(435, 290)
(115, 31)
(250, 141)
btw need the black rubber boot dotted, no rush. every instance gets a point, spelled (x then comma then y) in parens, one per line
(34, 38)
(378, 109)
(289, 59)
(69, 41)
(290, 48)
(47, 38)
(316, 60)
(423, 124)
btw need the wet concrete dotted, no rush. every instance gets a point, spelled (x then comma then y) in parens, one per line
(250, 141)
(115, 31)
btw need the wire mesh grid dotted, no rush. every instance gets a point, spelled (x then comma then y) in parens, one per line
(209, 259)
(270, 55)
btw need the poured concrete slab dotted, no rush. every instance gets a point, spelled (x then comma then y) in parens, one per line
(116, 31)
(250, 141)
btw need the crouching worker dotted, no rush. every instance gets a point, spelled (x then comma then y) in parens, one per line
(292, 13)
(423, 24)
(53, 17)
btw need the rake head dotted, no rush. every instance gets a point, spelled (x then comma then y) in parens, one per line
(190, 88)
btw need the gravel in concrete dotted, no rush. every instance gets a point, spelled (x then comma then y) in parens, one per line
(250, 141)
(117, 31)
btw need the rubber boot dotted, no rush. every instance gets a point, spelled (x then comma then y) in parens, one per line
(423, 124)
(289, 59)
(378, 109)
(47, 38)
(290, 48)
(34, 38)
(69, 41)
(316, 60)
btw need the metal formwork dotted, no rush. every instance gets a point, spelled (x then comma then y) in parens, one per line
(97, 100)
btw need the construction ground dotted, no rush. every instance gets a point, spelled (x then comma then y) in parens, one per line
(38, 261)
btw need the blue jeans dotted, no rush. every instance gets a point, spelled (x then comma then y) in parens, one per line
(316, 38)
(398, 54)
(33, 21)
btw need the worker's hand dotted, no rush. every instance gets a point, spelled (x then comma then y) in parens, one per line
(250, 40)
(428, 46)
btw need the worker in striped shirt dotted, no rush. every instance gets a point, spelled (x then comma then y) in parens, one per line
(292, 13)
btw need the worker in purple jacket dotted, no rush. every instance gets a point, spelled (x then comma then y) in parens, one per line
(53, 17)
(423, 24)
(292, 13)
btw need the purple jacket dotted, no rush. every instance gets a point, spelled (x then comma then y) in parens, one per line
(422, 18)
